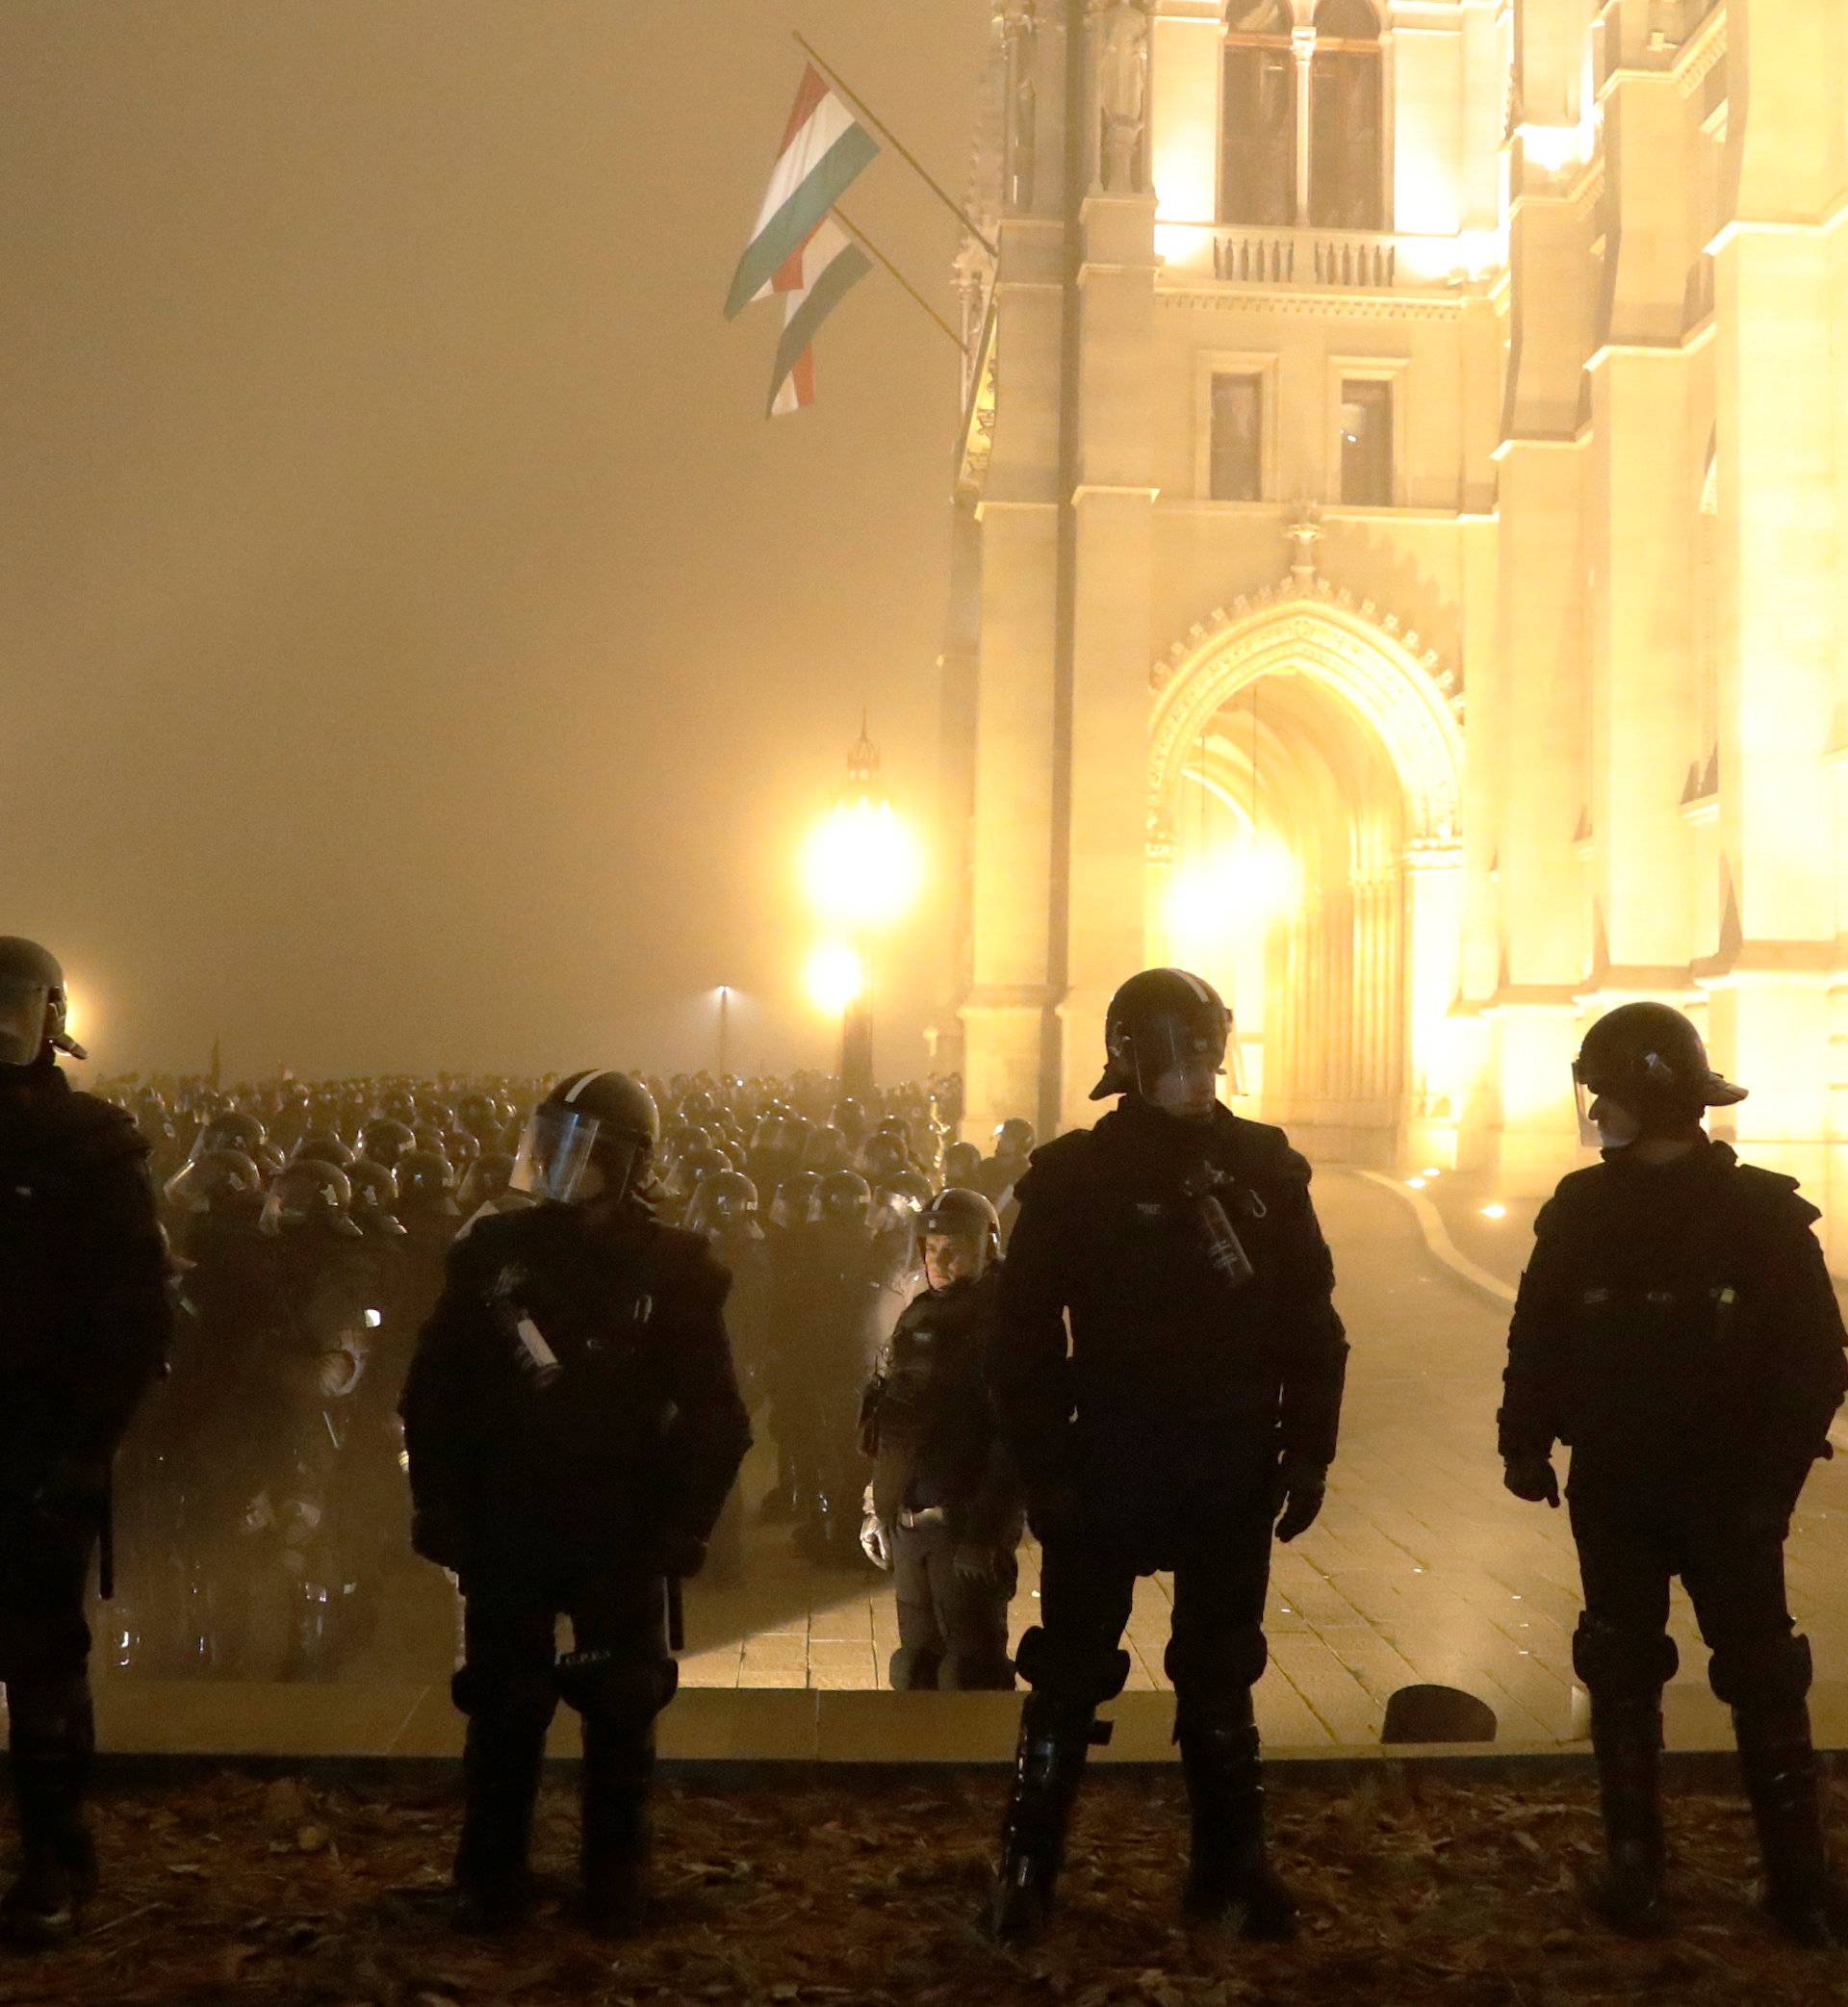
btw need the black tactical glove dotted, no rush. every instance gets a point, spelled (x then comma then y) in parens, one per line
(1301, 1484)
(682, 1553)
(438, 1536)
(1531, 1477)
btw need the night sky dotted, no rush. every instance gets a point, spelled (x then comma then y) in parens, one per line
(416, 649)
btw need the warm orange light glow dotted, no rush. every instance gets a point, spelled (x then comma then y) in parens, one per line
(836, 977)
(862, 865)
(1495, 1211)
(1235, 883)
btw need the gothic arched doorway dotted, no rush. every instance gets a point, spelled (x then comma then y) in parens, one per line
(1304, 855)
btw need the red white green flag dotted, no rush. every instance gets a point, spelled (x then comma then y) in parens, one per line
(822, 151)
(812, 282)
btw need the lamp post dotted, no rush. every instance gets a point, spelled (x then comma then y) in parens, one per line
(863, 870)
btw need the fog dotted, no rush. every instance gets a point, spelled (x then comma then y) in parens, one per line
(417, 650)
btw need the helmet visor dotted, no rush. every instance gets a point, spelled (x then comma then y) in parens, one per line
(555, 1154)
(1590, 1135)
(1177, 1040)
(22, 1022)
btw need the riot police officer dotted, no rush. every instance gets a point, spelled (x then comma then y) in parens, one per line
(841, 1292)
(1198, 1409)
(1676, 1328)
(944, 1509)
(574, 1425)
(1013, 1141)
(82, 1330)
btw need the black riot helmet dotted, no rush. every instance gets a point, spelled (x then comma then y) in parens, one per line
(963, 1215)
(221, 1177)
(1650, 1061)
(794, 1204)
(961, 1163)
(1015, 1137)
(593, 1118)
(724, 1202)
(236, 1129)
(427, 1178)
(485, 1181)
(375, 1196)
(33, 1002)
(844, 1196)
(307, 1193)
(1162, 1018)
(385, 1140)
(325, 1147)
(883, 1155)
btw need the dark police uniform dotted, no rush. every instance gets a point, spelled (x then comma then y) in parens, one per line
(574, 1425)
(1676, 1328)
(83, 1328)
(1156, 1442)
(944, 1483)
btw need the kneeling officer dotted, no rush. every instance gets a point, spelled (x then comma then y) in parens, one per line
(1678, 1327)
(573, 1424)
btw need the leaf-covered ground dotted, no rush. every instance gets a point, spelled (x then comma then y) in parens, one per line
(836, 1887)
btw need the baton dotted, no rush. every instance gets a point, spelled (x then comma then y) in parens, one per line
(675, 1616)
(106, 1541)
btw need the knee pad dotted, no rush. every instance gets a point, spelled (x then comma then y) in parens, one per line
(1224, 1660)
(1624, 1661)
(1080, 1675)
(1762, 1672)
(528, 1700)
(624, 1692)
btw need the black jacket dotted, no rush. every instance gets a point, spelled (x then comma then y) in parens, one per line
(1676, 1317)
(84, 1316)
(1174, 1384)
(929, 1422)
(637, 1432)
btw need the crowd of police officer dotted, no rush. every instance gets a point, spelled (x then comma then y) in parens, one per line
(557, 1319)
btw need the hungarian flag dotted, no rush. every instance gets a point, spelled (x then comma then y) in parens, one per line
(812, 283)
(824, 148)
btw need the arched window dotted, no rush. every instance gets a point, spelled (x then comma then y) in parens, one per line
(1347, 147)
(1258, 127)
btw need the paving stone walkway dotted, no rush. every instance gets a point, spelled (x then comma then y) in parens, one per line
(1421, 1568)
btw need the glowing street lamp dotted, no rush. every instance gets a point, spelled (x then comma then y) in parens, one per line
(864, 869)
(862, 865)
(836, 977)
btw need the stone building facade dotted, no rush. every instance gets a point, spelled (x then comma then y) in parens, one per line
(1401, 561)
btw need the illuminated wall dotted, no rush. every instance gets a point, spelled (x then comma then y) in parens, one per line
(1420, 603)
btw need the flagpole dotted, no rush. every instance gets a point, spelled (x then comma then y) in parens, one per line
(903, 152)
(867, 243)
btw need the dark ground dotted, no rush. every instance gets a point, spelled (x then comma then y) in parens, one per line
(839, 1888)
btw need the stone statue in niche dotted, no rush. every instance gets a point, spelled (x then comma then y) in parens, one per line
(1122, 95)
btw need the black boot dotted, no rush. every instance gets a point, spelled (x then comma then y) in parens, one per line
(618, 1763)
(1055, 1738)
(501, 1764)
(1779, 1763)
(58, 1858)
(1230, 1879)
(1627, 1740)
